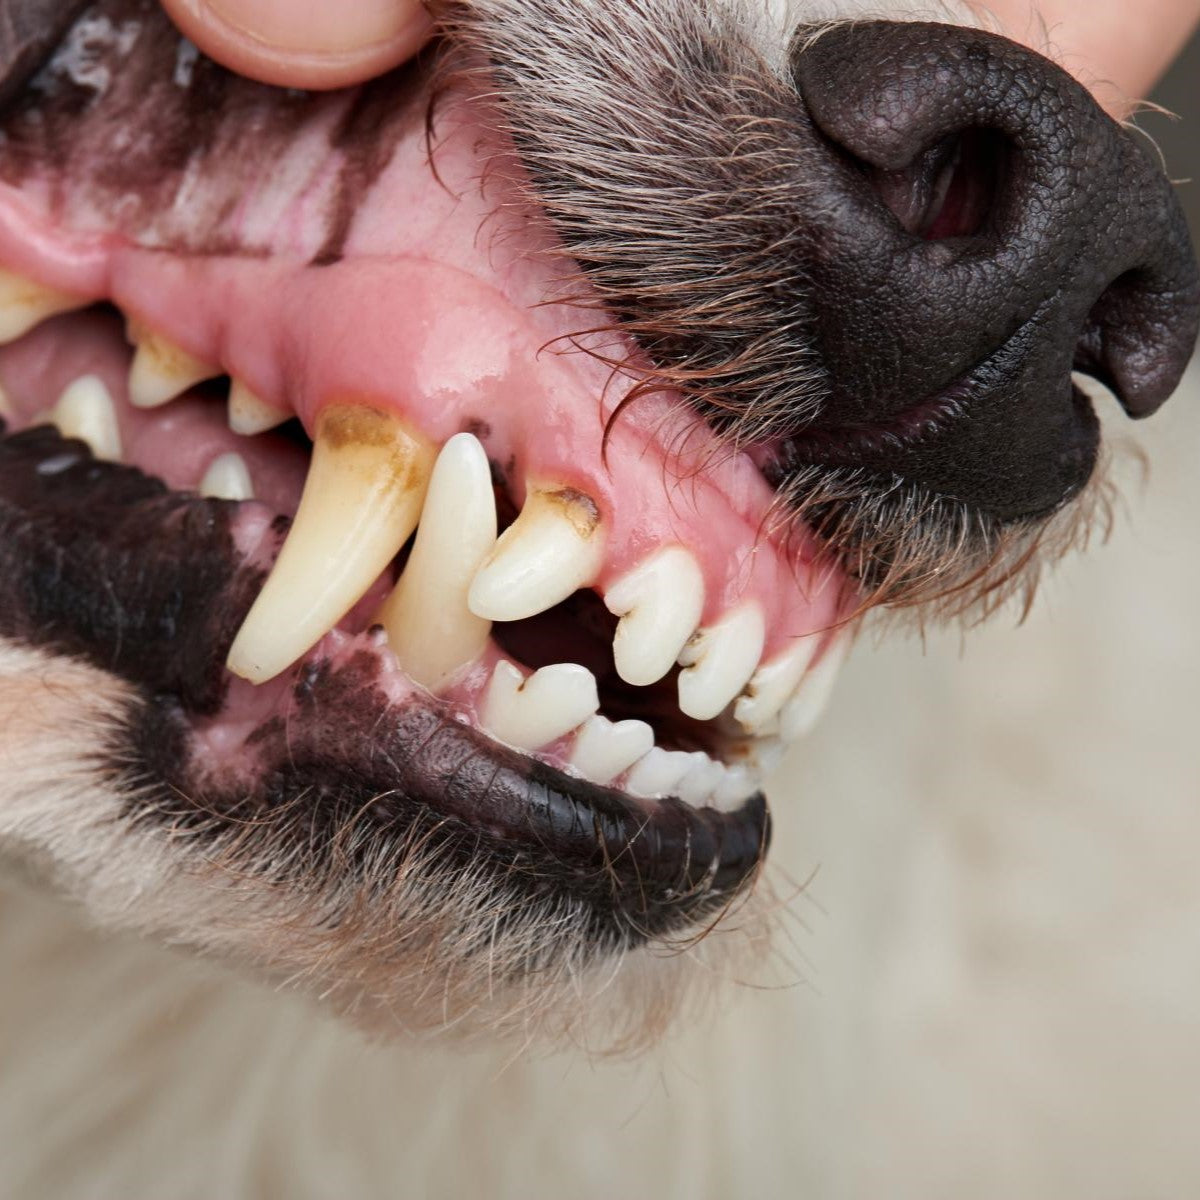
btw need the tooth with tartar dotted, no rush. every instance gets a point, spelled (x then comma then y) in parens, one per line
(801, 713)
(603, 749)
(553, 548)
(24, 304)
(719, 662)
(658, 772)
(530, 713)
(701, 781)
(227, 478)
(659, 603)
(361, 501)
(249, 415)
(772, 684)
(162, 370)
(85, 410)
(430, 629)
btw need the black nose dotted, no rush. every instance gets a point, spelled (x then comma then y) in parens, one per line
(989, 229)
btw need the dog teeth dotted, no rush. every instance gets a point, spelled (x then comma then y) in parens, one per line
(659, 603)
(701, 780)
(361, 501)
(249, 415)
(658, 773)
(85, 410)
(801, 713)
(737, 784)
(430, 629)
(162, 370)
(24, 304)
(719, 662)
(553, 548)
(603, 748)
(528, 713)
(772, 685)
(227, 478)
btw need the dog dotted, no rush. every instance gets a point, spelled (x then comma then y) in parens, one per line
(427, 510)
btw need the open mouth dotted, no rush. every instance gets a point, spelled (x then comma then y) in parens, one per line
(349, 501)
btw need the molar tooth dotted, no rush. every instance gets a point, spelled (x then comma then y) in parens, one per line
(801, 713)
(24, 304)
(361, 501)
(659, 603)
(430, 629)
(530, 713)
(553, 548)
(227, 478)
(162, 370)
(719, 661)
(603, 749)
(772, 684)
(658, 772)
(702, 779)
(85, 410)
(249, 414)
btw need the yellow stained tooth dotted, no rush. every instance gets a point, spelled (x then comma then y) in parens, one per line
(250, 415)
(85, 411)
(162, 370)
(227, 478)
(361, 501)
(24, 303)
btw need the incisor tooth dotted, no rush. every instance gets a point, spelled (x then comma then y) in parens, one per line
(85, 410)
(719, 661)
(248, 414)
(772, 684)
(603, 749)
(23, 304)
(530, 713)
(361, 501)
(227, 478)
(658, 772)
(162, 370)
(430, 628)
(808, 702)
(659, 603)
(553, 548)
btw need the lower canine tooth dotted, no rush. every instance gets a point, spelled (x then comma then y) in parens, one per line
(85, 411)
(719, 661)
(553, 548)
(530, 713)
(603, 749)
(430, 629)
(161, 370)
(227, 478)
(361, 502)
(249, 415)
(772, 684)
(808, 702)
(23, 304)
(658, 772)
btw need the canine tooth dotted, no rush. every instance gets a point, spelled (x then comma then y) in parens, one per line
(430, 629)
(85, 410)
(772, 684)
(162, 370)
(719, 661)
(361, 501)
(530, 713)
(227, 478)
(801, 713)
(249, 415)
(553, 548)
(702, 778)
(24, 304)
(659, 603)
(658, 772)
(603, 749)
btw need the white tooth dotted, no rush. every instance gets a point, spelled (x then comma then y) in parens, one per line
(530, 713)
(719, 661)
(248, 414)
(772, 684)
(23, 304)
(430, 629)
(659, 603)
(6, 409)
(658, 772)
(227, 478)
(737, 785)
(702, 779)
(603, 749)
(801, 713)
(361, 501)
(85, 410)
(162, 370)
(552, 549)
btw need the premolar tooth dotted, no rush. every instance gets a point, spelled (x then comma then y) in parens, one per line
(85, 410)
(772, 684)
(553, 548)
(227, 478)
(603, 749)
(808, 702)
(658, 772)
(737, 785)
(24, 303)
(430, 628)
(249, 414)
(701, 781)
(530, 713)
(162, 370)
(659, 603)
(361, 501)
(719, 661)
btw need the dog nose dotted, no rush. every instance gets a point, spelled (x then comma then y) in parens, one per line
(986, 230)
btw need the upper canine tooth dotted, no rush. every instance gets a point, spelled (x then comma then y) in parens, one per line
(85, 410)
(808, 702)
(719, 661)
(249, 415)
(23, 304)
(553, 548)
(772, 684)
(659, 603)
(429, 626)
(162, 370)
(227, 478)
(603, 749)
(530, 713)
(361, 501)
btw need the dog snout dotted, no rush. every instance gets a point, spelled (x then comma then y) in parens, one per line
(987, 229)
